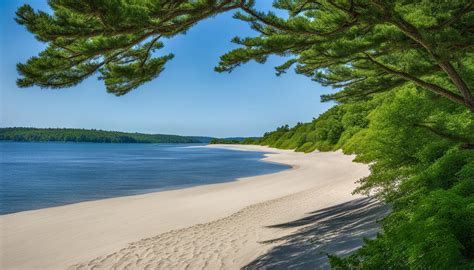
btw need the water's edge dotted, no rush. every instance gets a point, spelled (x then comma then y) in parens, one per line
(239, 165)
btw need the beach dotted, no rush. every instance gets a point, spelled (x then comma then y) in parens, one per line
(217, 226)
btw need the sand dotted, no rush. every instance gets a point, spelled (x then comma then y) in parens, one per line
(218, 226)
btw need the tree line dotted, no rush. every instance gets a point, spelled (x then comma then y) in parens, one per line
(89, 135)
(426, 174)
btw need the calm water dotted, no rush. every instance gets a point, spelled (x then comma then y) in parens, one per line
(39, 175)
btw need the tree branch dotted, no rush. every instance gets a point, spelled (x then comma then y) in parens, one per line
(148, 50)
(456, 16)
(439, 133)
(413, 33)
(429, 86)
(283, 28)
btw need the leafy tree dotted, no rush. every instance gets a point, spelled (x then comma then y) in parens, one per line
(426, 176)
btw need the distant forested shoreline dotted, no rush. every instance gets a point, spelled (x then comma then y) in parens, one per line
(21, 134)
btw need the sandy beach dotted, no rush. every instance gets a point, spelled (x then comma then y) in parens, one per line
(220, 226)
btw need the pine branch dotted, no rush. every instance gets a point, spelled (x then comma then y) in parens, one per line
(426, 85)
(444, 135)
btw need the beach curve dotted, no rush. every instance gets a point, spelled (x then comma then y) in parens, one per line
(212, 226)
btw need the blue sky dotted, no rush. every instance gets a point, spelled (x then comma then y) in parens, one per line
(188, 98)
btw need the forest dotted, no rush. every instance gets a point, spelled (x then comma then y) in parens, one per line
(424, 171)
(90, 135)
(402, 73)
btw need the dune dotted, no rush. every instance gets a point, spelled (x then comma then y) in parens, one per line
(219, 226)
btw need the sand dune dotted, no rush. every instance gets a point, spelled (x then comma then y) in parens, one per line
(219, 226)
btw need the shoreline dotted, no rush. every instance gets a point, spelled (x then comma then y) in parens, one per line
(172, 188)
(67, 235)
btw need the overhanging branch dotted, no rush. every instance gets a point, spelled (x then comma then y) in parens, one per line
(429, 86)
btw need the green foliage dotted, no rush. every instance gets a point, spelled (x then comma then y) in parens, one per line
(418, 147)
(433, 232)
(366, 47)
(233, 140)
(422, 167)
(118, 38)
(328, 132)
(85, 135)
(404, 71)
(409, 131)
(224, 141)
(362, 47)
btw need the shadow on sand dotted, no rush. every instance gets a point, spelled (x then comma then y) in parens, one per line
(337, 230)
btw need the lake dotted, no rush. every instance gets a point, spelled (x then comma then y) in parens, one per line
(36, 175)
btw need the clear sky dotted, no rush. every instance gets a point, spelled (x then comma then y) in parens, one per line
(188, 98)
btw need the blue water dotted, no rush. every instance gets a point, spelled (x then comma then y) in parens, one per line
(39, 175)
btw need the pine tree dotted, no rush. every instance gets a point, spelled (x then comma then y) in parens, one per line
(360, 46)
(114, 37)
